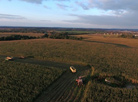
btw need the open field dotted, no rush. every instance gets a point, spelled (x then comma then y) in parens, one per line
(109, 56)
(110, 40)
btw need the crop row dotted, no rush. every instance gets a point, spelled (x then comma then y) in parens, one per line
(24, 82)
(99, 92)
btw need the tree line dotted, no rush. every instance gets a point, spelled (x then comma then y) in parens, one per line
(60, 35)
(16, 37)
(52, 35)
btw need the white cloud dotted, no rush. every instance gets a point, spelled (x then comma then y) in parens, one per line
(113, 4)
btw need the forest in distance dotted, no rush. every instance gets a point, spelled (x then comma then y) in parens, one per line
(39, 71)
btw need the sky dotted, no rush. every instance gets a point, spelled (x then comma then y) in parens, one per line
(70, 13)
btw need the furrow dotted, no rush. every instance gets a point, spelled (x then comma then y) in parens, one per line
(66, 92)
(62, 89)
(68, 95)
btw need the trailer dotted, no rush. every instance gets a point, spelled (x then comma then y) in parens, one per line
(9, 58)
(73, 70)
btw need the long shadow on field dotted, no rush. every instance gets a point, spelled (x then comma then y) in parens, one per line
(31, 60)
(48, 63)
(119, 45)
(44, 63)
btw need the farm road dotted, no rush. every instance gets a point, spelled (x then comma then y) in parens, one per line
(65, 88)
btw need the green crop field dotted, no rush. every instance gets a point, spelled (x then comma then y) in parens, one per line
(23, 82)
(110, 57)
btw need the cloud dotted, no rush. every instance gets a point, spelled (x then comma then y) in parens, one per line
(103, 13)
(118, 13)
(100, 4)
(83, 5)
(8, 16)
(62, 6)
(34, 1)
(106, 21)
(39, 1)
(111, 4)
(46, 7)
(45, 20)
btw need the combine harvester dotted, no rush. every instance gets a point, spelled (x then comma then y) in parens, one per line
(80, 81)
